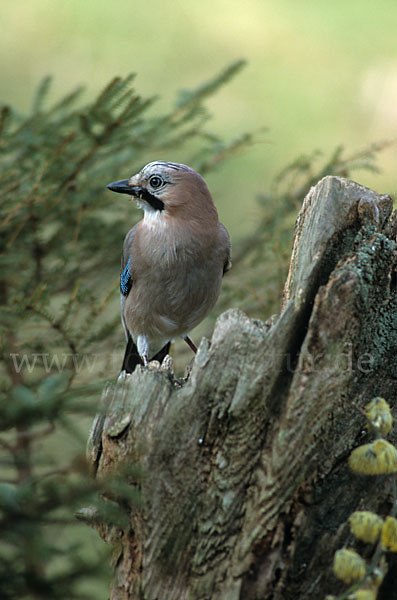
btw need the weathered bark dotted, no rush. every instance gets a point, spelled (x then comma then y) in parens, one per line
(245, 486)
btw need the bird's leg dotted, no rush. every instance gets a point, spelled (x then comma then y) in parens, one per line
(145, 360)
(190, 343)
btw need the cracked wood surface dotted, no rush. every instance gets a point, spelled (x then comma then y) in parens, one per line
(245, 487)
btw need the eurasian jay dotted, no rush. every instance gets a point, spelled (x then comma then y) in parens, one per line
(172, 262)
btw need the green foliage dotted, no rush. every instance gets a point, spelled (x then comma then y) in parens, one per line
(61, 234)
(376, 458)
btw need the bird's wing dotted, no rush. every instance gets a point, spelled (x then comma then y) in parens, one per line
(126, 273)
(224, 236)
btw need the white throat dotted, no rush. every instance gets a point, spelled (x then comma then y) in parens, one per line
(152, 218)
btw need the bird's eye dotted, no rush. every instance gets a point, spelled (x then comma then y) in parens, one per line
(156, 181)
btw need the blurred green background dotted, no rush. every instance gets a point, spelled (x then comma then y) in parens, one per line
(319, 73)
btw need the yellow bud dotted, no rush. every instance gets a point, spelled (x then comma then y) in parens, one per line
(377, 458)
(389, 534)
(366, 525)
(379, 415)
(369, 594)
(348, 565)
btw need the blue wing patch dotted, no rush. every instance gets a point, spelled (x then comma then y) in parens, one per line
(126, 279)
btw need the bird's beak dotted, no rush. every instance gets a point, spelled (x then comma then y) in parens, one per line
(124, 187)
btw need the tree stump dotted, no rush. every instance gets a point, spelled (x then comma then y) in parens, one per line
(245, 486)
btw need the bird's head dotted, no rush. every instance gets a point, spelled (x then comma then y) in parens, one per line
(169, 188)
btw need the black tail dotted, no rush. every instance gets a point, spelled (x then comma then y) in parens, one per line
(132, 358)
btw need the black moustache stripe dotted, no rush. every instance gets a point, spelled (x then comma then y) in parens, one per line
(150, 199)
